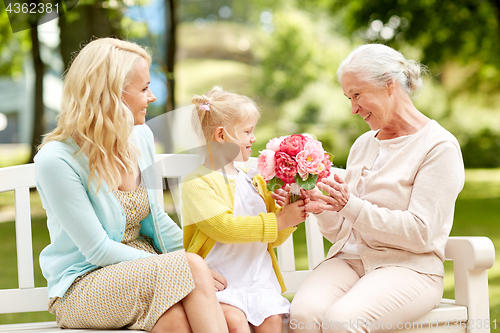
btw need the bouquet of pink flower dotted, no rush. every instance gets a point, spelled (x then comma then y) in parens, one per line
(295, 159)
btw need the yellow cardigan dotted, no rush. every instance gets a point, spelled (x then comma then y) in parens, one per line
(207, 213)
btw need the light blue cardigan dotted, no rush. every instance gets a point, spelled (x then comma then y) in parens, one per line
(85, 228)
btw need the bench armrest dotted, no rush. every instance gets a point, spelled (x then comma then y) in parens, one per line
(474, 253)
(472, 257)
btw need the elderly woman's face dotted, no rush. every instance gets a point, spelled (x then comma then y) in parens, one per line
(136, 94)
(367, 100)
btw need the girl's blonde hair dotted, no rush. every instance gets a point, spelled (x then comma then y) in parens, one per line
(92, 109)
(219, 108)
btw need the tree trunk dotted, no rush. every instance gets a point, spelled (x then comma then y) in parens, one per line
(171, 50)
(94, 20)
(496, 4)
(38, 124)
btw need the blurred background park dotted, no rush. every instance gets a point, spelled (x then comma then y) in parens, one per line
(283, 54)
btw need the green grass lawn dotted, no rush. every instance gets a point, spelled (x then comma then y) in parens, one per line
(476, 215)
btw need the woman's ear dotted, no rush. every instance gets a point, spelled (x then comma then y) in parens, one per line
(219, 134)
(391, 85)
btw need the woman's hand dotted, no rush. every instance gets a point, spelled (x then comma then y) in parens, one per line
(314, 203)
(220, 282)
(338, 194)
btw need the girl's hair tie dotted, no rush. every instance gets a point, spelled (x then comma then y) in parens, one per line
(205, 106)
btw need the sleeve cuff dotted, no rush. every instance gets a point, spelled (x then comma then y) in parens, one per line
(352, 209)
(324, 216)
(270, 227)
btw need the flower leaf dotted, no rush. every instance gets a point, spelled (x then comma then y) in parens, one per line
(330, 156)
(307, 184)
(274, 184)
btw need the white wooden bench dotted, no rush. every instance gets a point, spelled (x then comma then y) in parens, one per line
(471, 256)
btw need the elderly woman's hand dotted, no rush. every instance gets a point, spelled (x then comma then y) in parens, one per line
(314, 203)
(337, 190)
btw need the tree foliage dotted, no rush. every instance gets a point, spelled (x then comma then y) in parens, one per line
(89, 20)
(242, 11)
(13, 47)
(464, 31)
(292, 57)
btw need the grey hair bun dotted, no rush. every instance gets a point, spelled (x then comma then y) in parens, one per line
(413, 72)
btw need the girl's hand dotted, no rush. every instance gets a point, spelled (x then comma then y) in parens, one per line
(291, 214)
(280, 195)
(220, 282)
(338, 193)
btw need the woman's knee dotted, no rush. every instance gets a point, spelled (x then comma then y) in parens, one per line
(305, 312)
(203, 280)
(309, 317)
(173, 320)
(195, 261)
(343, 319)
(198, 266)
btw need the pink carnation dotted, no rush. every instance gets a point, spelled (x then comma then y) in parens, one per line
(266, 164)
(286, 167)
(274, 144)
(311, 142)
(293, 144)
(327, 170)
(310, 160)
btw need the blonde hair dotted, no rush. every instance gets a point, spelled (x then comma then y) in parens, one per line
(92, 109)
(219, 108)
(378, 64)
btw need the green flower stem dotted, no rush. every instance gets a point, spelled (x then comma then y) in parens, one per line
(294, 192)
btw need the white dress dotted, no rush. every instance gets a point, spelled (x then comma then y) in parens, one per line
(252, 285)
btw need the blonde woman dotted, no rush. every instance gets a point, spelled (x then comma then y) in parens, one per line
(115, 258)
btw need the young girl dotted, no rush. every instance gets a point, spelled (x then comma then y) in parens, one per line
(230, 218)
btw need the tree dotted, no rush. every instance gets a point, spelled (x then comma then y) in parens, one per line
(171, 42)
(89, 20)
(13, 47)
(18, 23)
(462, 31)
(292, 58)
(39, 66)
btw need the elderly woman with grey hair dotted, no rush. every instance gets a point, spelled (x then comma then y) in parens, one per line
(390, 218)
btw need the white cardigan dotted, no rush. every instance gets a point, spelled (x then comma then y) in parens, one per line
(406, 207)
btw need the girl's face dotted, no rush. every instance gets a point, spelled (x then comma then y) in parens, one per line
(136, 94)
(369, 101)
(246, 139)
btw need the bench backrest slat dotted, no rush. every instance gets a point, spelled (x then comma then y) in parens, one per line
(20, 179)
(314, 239)
(24, 244)
(18, 176)
(27, 298)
